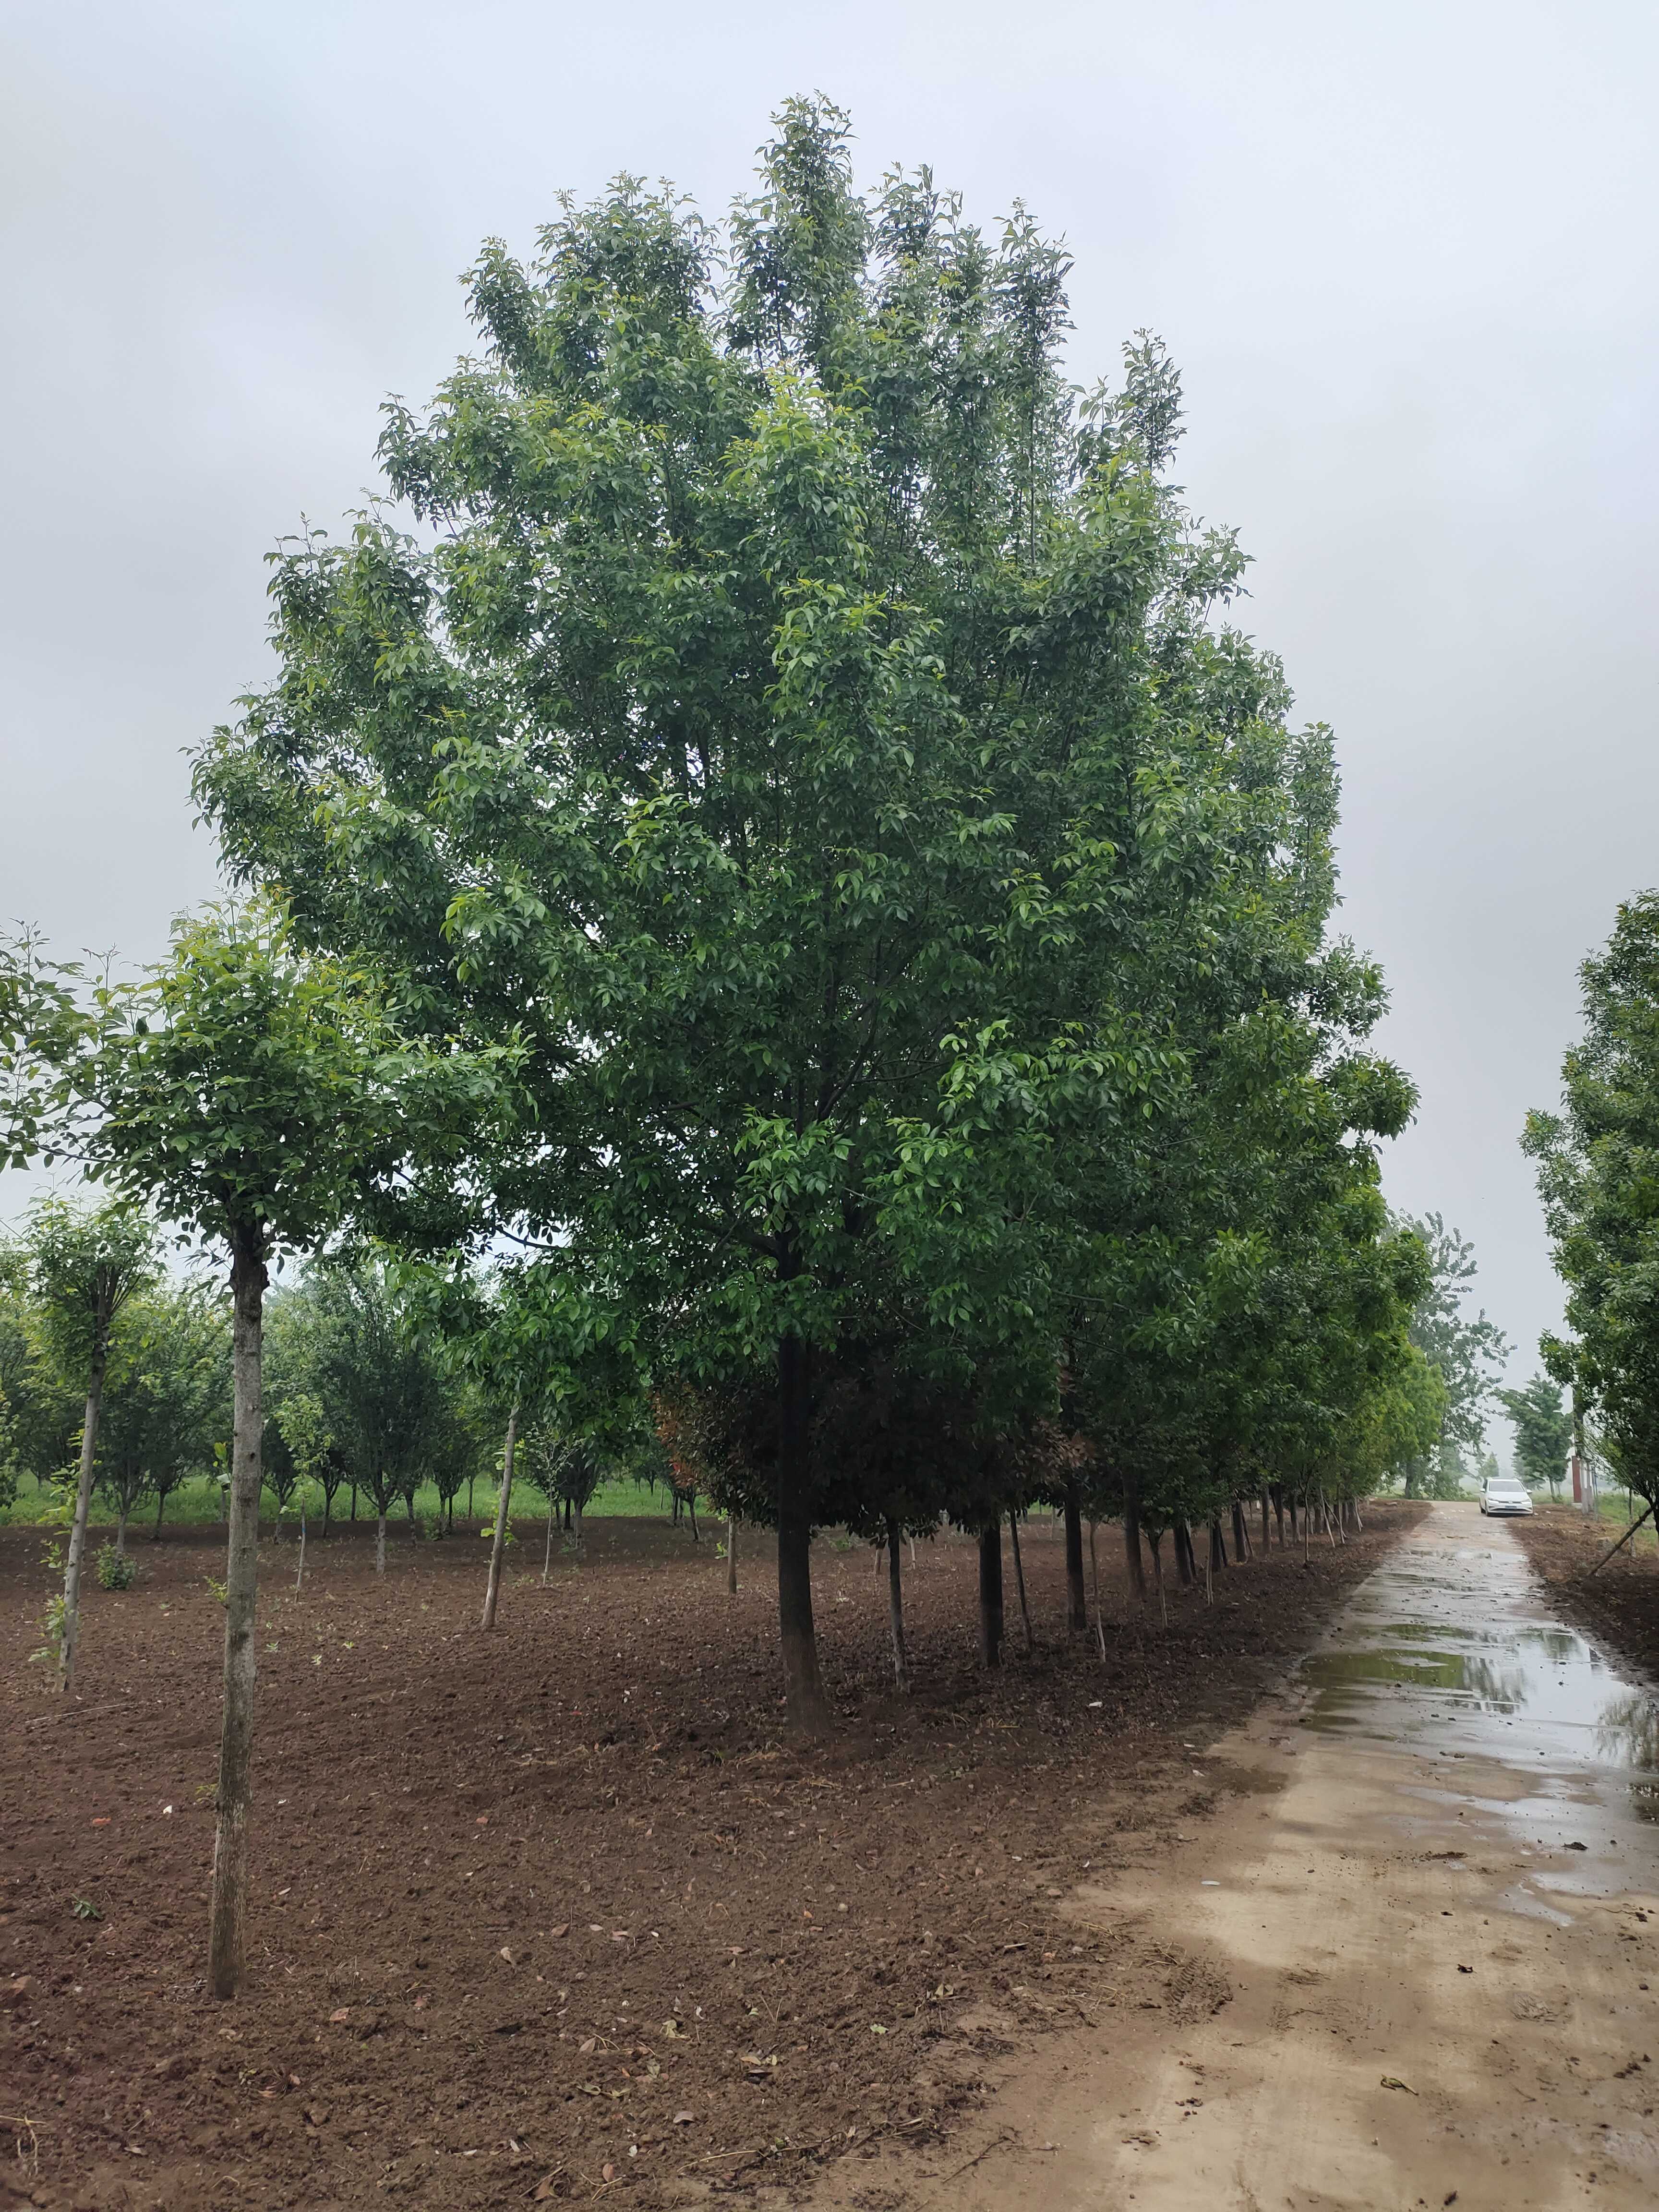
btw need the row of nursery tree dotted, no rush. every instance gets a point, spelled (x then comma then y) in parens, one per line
(364, 1402)
(769, 837)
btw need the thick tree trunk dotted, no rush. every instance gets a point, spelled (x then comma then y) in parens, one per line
(121, 1531)
(1155, 1546)
(1132, 1539)
(1267, 1526)
(380, 1543)
(990, 1595)
(808, 1707)
(161, 1508)
(895, 1609)
(731, 1554)
(1278, 1516)
(1218, 1546)
(1077, 1600)
(77, 1543)
(492, 1589)
(1241, 1534)
(1019, 1584)
(227, 1943)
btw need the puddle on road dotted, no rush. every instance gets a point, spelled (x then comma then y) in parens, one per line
(1450, 1652)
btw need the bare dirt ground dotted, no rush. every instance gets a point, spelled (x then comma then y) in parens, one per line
(561, 1913)
(1620, 1601)
(1431, 1901)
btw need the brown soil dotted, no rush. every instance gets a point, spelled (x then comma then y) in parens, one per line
(1620, 1601)
(564, 1909)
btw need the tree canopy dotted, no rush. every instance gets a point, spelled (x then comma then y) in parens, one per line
(1598, 1168)
(807, 728)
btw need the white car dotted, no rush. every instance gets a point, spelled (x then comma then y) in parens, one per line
(1503, 1493)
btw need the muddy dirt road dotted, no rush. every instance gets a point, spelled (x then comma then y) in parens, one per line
(1434, 1895)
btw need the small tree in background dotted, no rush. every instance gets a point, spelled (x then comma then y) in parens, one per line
(169, 1397)
(84, 1265)
(1543, 1431)
(567, 1469)
(1467, 1354)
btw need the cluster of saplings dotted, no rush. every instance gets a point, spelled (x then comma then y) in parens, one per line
(110, 1360)
(773, 887)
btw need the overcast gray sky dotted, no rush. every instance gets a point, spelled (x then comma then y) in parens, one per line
(1404, 254)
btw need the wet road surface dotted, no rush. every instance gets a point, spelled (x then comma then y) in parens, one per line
(1431, 1896)
(1450, 1650)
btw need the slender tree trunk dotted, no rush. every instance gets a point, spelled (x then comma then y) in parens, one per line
(1359, 1526)
(731, 1554)
(990, 1594)
(578, 1533)
(353, 1504)
(1155, 1545)
(492, 1589)
(1077, 1600)
(807, 1705)
(227, 1945)
(1094, 1576)
(1132, 1539)
(1019, 1582)
(1241, 1534)
(380, 1543)
(896, 1610)
(77, 1543)
(301, 1574)
(547, 1554)
(1218, 1546)
(409, 1500)
(1267, 1526)
(121, 1530)
(161, 1508)
(1183, 1547)
(470, 1480)
(1279, 1514)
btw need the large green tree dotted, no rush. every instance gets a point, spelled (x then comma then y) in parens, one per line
(787, 703)
(1598, 1174)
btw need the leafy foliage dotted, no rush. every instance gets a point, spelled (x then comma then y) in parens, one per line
(1543, 1430)
(1598, 1171)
